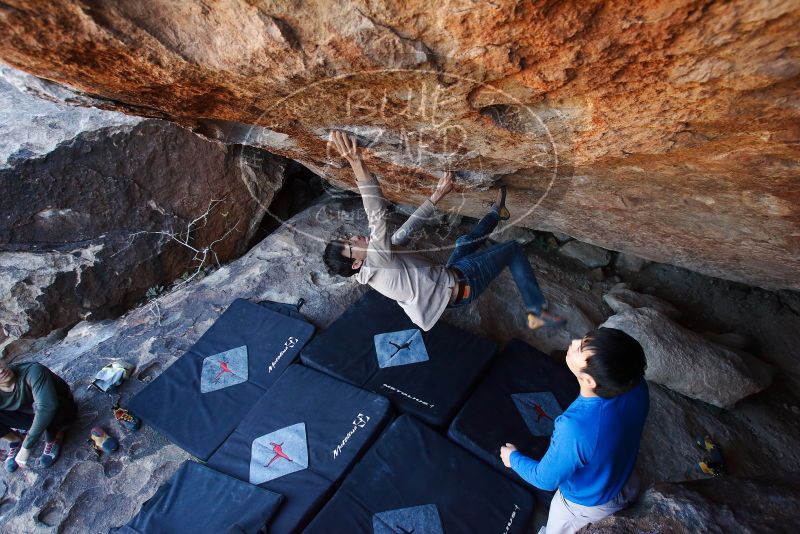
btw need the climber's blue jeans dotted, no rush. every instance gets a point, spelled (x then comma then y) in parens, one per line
(480, 267)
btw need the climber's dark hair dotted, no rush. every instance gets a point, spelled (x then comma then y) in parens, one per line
(335, 262)
(616, 361)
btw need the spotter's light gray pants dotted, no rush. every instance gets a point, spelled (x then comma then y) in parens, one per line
(567, 517)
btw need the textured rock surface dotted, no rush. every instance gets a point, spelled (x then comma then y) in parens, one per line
(629, 262)
(621, 299)
(690, 364)
(31, 126)
(586, 253)
(561, 238)
(73, 201)
(759, 436)
(769, 321)
(666, 130)
(746, 506)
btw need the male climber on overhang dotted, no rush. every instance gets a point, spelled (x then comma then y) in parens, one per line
(422, 288)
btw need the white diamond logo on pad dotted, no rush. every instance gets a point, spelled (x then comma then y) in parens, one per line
(422, 519)
(539, 410)
(400, 348)
(223, 370)
(278, 454)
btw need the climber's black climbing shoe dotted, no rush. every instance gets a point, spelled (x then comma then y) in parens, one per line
(502, 210)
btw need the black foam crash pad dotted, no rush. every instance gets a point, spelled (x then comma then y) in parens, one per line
(415, 480)
(199, 399)
(517, 402)
(374, 345)
(300, 438)
(199, 499)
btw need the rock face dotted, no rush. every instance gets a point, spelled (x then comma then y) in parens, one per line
(621, 299)
(630, 263)
(714, 506)
(758, 437)
(34, 117)
(586, 253)
(667, 131)
(84, 194)
(688, 363)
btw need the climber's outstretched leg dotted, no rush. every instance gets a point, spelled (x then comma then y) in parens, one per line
(476, 269)
(469, 243)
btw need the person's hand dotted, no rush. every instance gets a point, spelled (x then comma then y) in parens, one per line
(22, 456)
(345, 145)
(505, 453)
(444, 186)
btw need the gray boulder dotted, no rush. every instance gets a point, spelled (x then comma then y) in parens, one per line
(34, 117)
(688, 363)
(516, 233)
(561, 237)
(589, 255)
(715, 506)
(759, 437)
(732, 340)
(89, 198)
(620, 299)
(84, 193)
(86, 229)
(628, 262)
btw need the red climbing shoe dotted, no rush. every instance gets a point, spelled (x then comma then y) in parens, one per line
(126, 419)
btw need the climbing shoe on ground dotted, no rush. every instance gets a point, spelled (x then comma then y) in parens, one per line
(126, 419)
(51, 451)
(102, 441)
(10, 462)
(710, 448)
(502, 210)
(545, 318)
(712, 462)
(707, 467)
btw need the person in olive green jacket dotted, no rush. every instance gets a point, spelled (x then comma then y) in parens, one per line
(35, 402)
